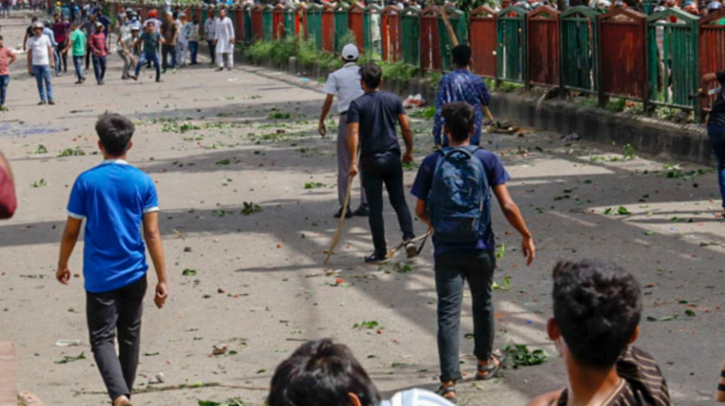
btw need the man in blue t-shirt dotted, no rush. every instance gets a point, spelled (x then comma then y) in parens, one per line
(372, 119)
(473, 262)
(115, 199)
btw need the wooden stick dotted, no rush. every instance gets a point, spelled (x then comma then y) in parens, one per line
(341, 221)
(392, 252)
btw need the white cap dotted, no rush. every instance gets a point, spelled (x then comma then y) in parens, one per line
(350, 52)
(38, 24)
(416, 397)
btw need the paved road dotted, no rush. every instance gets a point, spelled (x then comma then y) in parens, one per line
(260, 287)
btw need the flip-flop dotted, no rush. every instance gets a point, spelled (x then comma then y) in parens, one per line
(492, 370)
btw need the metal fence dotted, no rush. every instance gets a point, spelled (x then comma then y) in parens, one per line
(658, 60)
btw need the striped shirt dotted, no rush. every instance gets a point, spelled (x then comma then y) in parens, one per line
(642, 382)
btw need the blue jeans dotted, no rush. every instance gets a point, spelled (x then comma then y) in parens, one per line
(99, 67)
(149, 57)
(78, 62)
(42, 76)
(193, 49)
(717, 140)
(4, 82)
(452, 269)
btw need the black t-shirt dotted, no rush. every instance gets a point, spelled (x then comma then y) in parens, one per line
(717, 113)
(377, 112)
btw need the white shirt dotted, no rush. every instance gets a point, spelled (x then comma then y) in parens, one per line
(345, 84)
(210, 28)
(224, 34)
(39, 46)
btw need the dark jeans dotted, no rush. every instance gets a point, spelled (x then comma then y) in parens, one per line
(110, 312)
(385, 169)
(452, 269)
(193, 50)
(212, 51)
(63, 58)
(78, 62)
(88, 56)
(4, 82)
(99, 67)
(165, 51)
(717, 140)
(151, 58)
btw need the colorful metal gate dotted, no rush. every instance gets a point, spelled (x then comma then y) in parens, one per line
(542, 34)
(390, 34)
(711, 37)
(482, 33)
(430, 46)
(622, 34)
(410, 35)
(579, 49)
(511, 48)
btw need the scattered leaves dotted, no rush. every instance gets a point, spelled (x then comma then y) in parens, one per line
(519, 354)
(68, 359)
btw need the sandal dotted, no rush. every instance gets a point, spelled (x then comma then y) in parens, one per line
(448, 392)
(492, 369)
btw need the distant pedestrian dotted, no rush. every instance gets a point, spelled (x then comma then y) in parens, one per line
(99, 48)
(183, 44)
(120, 207)
(61, 29)
(210, 32)
(224, 42)
(41, 62)
(151, 42)
(7, 57)
(345, 84)
(77, 46)
(192, 34)
(170, 33)
(29, 32)
(89, 27)
(123, 43)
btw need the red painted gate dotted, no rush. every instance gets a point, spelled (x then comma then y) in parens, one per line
(711, 37)
(482, 31)
(430, 46)
(278, 21)
(390, 34)
(543, 53)
(328, 28)
(622, 37)
(356, 23)
(257, 24)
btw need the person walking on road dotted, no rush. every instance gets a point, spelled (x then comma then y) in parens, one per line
(183, 43)
(453, 187)
(192, 34)
(77, 45)
(716, 130)
(41, 61)
(151, 41)
(345, 84)
(123, 43)
(7, 58)
(372, 119)
(170, 33)
(461, 85)
(61, 29)
(210, 33)
(99, 47)
(224, 42)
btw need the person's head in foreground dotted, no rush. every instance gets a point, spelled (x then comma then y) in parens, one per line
(460, 123)
(114, 133)
(371, 77)
(350, 53)
(461, 56)
(327, 373)
(597, 310)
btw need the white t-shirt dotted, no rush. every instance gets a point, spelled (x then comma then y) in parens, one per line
(345, 84)
(39, 46)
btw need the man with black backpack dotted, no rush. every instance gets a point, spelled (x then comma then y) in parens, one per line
(453, 187)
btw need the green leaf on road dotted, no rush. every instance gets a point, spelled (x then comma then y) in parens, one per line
(68, 359)
(189, 272)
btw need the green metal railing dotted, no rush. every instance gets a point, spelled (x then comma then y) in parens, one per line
(410, 35)
(579, 56)
(511, 49)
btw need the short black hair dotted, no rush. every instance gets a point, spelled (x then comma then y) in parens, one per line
(1, 37)
(115, 132)
(321, 373)
(597, 307)
(461, 55)
(459, 118)
(34, 19)
(371, 75)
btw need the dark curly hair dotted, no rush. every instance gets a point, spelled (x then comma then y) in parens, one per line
(597, 307)
(321, 373)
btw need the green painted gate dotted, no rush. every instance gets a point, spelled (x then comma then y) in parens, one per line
(314, 25)
(372, 22)
(579, 52)
(341, 25)
(672, 59)
(410, 35)
(511, 49)
(459, 23)
(268, 23)
(247, 23)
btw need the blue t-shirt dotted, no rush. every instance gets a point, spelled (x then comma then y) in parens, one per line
(113, 198)
(497, 176)
(377, 112)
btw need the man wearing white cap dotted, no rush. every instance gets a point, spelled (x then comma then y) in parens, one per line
(345, 84)
(40, 62)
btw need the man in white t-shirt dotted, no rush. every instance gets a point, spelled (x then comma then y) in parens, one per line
(41, 61)
(210, 32)
(345, 84)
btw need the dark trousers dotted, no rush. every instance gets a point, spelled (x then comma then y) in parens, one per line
(118, 311)
(385, 169)
(193, 50)
(88, 57)
(212, 51)
(99, 67)
(717, 140)
(63, 58)
(452, 269)
(165, 51)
